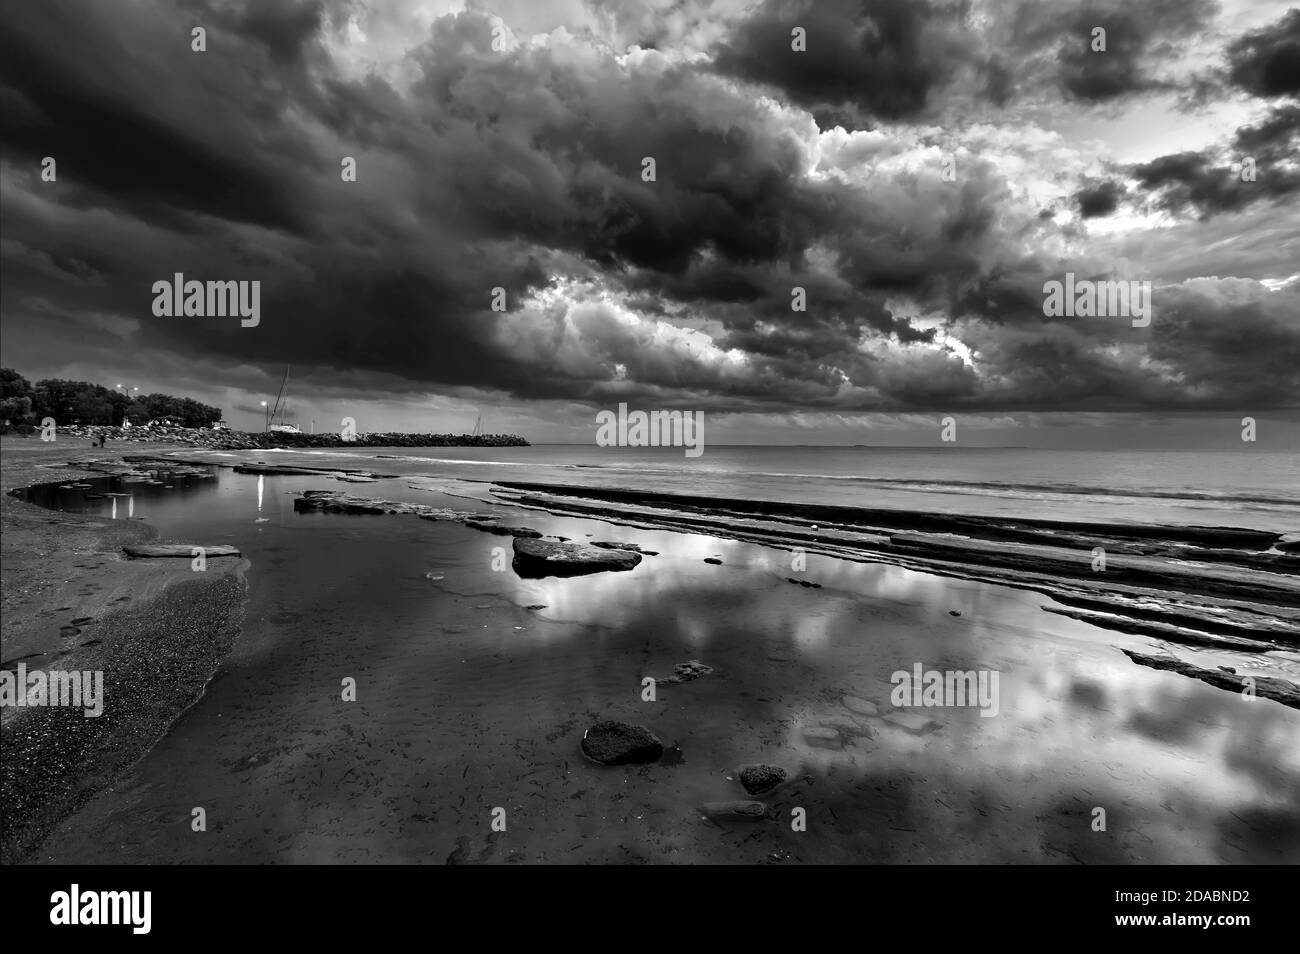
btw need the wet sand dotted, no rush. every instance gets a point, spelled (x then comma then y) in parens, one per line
(73, 602)
(474, 687)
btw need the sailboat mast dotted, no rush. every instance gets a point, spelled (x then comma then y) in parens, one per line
(283, 384)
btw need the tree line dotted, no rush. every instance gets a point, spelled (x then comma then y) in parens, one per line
(23, 404)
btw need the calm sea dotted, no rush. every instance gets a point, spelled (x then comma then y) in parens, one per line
(1245, 488)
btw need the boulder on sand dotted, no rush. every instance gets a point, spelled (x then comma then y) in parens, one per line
(761, 778)
(539, 558)
(620, 743)
(746, 810)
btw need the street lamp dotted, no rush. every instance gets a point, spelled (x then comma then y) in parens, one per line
(266, 425)
(127, 393)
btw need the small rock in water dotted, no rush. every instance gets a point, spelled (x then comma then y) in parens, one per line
(823, 738)
(501, 531)
(953, 613)
(860, 706)
(714, 560)
(749, 811)
(619, 743)
(619, 545)
(685, 672)
(538, 558)
(434, 578)
(760, 778)
(911, 721)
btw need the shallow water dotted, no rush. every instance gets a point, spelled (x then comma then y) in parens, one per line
(1237, 488)
(468, 701)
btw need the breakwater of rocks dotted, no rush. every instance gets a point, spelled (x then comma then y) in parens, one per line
(254, 440)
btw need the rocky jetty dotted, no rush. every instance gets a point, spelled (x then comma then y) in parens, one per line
(224, 439)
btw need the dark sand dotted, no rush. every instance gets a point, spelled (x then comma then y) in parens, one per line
(156, 629)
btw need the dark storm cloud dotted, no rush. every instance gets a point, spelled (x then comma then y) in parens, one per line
(1210, 182)
(285, 27)
(883, 57)
(566, 171)
(1099, 199)
(1095, 76)
(144, 134)
(1230, 347)
(1053, 42)
(522, 169)
(1266, 62)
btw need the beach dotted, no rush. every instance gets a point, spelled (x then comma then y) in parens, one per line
(397, 582)
(72, 602)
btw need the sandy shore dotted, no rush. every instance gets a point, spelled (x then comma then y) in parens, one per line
(73, 602)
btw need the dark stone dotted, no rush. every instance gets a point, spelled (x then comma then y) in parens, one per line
(617, 545)
(714, 560)
(1266, 687)
(504, 531)
(540, 558)
(619, 743)
(758, 779)
(685, 672)
(743, 810)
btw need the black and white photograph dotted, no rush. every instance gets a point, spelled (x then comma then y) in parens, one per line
(651, 432)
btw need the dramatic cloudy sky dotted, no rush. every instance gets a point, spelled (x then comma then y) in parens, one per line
(520, 166)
